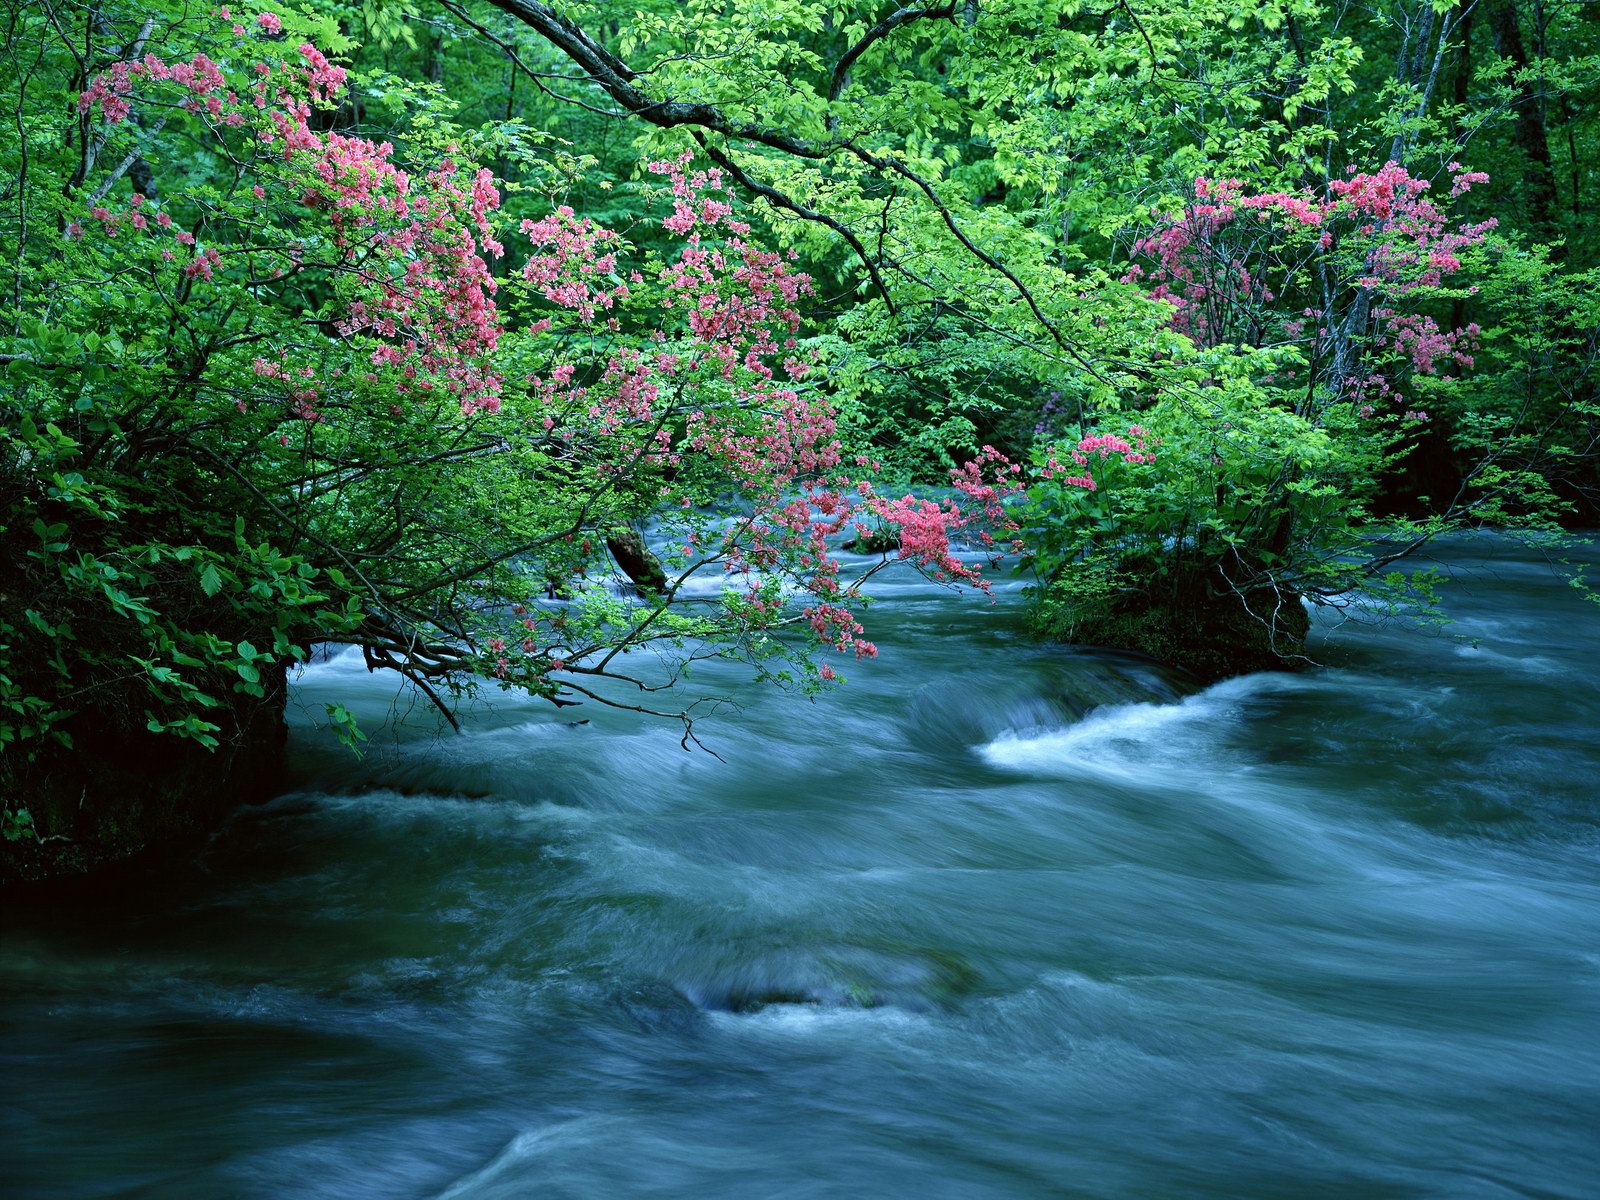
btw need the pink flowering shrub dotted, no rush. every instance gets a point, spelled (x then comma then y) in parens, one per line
(1300, 326)
(692, 377)
(496, 431)
(1341, 278)
(405, 252)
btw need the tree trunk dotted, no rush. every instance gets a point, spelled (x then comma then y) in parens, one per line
(1529, 136)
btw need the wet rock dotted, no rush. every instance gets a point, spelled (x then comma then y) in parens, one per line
(636, 560)
(876, 541)
(840, 977)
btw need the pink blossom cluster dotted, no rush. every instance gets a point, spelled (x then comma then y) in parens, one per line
(1377, 230)
(733, 373)
(1419, 338)
(575, 259)
(1138, 448)
(1367, 243)
(408, 253)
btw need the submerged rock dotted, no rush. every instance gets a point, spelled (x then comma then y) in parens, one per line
(836, 977)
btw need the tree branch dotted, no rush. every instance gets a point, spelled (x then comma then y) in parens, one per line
(779, 200)
(899, 17)
(616, 79)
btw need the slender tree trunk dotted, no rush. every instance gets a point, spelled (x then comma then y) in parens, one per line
(1460, 94)
(1462, 90)
(432, 58)
(1529, 135)
(1541, 17)
(1569, 121)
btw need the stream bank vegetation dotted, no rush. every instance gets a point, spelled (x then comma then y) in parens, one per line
(398, 324)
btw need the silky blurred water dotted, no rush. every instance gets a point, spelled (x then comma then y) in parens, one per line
(995, 920)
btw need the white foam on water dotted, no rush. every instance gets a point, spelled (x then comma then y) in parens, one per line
(1529, 664)
(823, 1020)
(345, 660)
(391, 805)
(1126, 740)
(504, 1168)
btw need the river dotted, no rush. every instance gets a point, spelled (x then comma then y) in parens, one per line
(996, 920)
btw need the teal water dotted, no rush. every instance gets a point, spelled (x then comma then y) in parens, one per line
(997, 920)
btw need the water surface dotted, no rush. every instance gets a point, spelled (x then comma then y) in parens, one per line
(996, 920)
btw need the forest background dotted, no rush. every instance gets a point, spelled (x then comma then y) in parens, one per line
(398, 325)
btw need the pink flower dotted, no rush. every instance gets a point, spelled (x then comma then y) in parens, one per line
(270, 23)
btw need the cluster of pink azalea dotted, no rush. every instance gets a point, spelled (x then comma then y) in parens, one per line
(1137, 448)
(990, 515)
(1424, 344)
(1378, 235)
(737, 295)
(575, 258)
(1214, 272)
(408, 253)
(300, 387)
(928, 529)
(140, 219)
(735, 372)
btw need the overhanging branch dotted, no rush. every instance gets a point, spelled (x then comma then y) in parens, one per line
(619, 81)
(899, 17)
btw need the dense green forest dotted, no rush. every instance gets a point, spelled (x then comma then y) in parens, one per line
(401, 325)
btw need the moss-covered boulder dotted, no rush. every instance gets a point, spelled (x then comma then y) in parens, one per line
(875, 541)
(636, 559)
(1197, 623)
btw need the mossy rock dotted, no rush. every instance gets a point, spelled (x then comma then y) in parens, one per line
(635, 558)
(876, 541)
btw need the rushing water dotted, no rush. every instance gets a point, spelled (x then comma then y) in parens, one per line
(996, 920)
